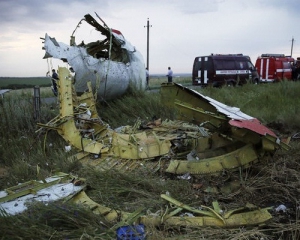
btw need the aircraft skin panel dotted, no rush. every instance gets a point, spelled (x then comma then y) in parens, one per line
(111, 78)
(111, 73)
(230, 112)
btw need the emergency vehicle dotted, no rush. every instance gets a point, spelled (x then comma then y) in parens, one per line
(223, 69)
(274, 67)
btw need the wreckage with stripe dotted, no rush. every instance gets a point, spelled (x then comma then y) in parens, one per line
(67, 188)
(207, 138)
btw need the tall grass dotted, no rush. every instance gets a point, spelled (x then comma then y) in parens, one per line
(271, 182)
(23, 82)
(133, 106)
(270, 103)
(55, 221)
(155, 82)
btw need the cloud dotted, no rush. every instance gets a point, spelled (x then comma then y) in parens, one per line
(289, 6)
(34, 14)
(181, 30)
(196, 7)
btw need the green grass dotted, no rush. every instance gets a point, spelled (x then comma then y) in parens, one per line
(155, 82)
(270, 103)
(273, 181)
(21, 82)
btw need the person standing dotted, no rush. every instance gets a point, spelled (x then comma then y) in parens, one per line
(147, 77)
(170, 75)
(54, 79)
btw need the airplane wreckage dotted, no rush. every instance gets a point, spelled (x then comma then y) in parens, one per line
(112, 63)
(208, 138)
(211, 136)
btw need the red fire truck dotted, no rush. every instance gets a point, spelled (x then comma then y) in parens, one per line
(274, 67)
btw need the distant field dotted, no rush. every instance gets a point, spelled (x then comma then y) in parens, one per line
(28, 82)
(23, 82)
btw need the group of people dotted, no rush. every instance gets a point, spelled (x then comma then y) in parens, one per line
(169, 75)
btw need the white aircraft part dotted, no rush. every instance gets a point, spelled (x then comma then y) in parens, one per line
(2, 91)
(230, 112)
(46, 195)
(109, 78)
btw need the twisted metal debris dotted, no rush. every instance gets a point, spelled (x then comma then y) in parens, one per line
(207, 138)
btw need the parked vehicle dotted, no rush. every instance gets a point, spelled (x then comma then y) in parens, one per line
(274, 67)
(223, 69)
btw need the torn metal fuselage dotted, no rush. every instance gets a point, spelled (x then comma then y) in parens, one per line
(208, 138)
(112, 65)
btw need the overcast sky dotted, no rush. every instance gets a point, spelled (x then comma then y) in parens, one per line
(181, 29)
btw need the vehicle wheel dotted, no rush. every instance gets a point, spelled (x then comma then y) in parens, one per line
(230, 83)
(215, 84)
(255, 81)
